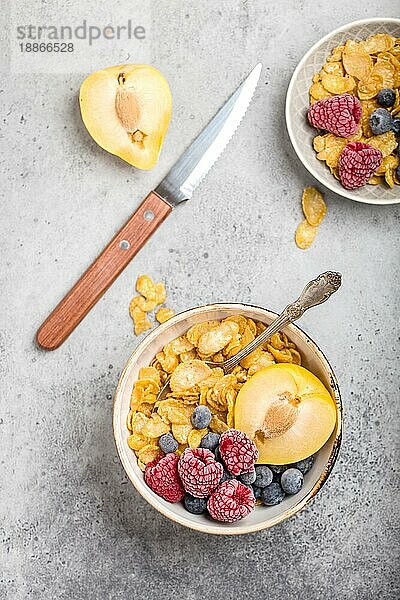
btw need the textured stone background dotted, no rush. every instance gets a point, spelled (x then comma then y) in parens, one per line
(72, 526)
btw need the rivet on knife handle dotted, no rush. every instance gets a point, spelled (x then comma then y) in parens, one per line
(103, 272)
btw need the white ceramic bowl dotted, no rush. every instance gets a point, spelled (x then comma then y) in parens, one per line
(297, 101)
(262, 517)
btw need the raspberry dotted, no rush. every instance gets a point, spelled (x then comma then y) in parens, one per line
(161, 475)
(238, 452)
(357, 163)
(231, 501)
(199, 471)
(339, 114)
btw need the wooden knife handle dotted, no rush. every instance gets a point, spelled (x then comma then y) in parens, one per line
(103, 272)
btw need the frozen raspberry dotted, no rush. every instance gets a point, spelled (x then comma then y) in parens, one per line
(231, 501)
(339, 114)
(238, 452)
(199, 471)
(161, 475)
(357, 163)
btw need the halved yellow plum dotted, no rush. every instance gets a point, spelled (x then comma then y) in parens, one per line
(287, 411)
(127, 110)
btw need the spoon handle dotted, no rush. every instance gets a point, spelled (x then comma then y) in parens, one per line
(316, 292)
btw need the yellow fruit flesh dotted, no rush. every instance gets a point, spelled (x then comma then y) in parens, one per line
(127, 110)
(287, 411)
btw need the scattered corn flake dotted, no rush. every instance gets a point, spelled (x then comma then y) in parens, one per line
(146, 287)
(142, 303)
(140, 320)
(161, 293)
(305, 235)
(314, 206)
(164, 313)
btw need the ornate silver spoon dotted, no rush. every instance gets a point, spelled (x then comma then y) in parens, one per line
(316, 292)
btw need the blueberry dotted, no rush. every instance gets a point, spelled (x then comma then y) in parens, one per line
(196, 506)
(398, 173)
(386, 97)
(201, 417)
(397, 151)
(380, 121)
(396, 126)
(248, 478)
(304, 465)
(264, 476)
(217, 455)
(168, 443)
(210, 441)
(226, 476)
(257, 491)
(292, 481)
(278, 469)
(273, 494)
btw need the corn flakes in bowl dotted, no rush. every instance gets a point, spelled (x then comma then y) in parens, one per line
(183, 339)
(353, 59)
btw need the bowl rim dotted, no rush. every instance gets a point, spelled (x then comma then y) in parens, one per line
(289, 122)
(243, 529)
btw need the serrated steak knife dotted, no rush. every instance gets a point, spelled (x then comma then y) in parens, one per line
(175, 188)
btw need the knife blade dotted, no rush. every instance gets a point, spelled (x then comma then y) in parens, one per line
(194, 164)
(177, 187)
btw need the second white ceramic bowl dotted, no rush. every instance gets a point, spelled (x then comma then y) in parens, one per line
(297, 101)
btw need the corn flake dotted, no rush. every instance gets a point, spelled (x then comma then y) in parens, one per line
(356, 60)
(181, 432)
(380, 42)
(164, 313)
(196, 331)
(188, 374)
(305, 235)
(148, 453)
(140, 320)
(217, 338)
(385, 142)
(336, 84)
(314, 206)
(195, 437)
(146, 287)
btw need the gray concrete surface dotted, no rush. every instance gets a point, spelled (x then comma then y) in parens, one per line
(72, 526)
